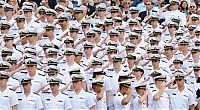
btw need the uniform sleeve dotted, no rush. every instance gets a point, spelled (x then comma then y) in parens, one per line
(118, 100)
(67, 103)
(191, 99)
(39, 104)
(107, 84)
(14, 100)
(90, 100)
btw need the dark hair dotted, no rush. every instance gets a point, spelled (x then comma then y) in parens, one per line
(181, 7)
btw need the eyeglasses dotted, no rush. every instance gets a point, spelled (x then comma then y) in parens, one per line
(192, 6)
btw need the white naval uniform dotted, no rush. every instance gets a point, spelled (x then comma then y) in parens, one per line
(180, 100)
(100, 104)
(59, 102)
(31, 102)
(8, 98)
(118, 102)
(38, 82)
(137, 105)
(162, 103)
(83, 100)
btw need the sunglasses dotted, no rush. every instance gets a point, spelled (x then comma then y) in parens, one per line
(147, 4)
(192, 6)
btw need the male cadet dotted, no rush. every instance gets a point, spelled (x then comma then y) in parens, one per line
(175, 12)
(51, 38)
(18, 26)
(101, 13)
(123, 97)
(5, 29)
(39, 82)
(79, 98)
(30, 19)
(63, 21)
(51, 15)
(181, 97)
(140, 101)
(55, 100)
(2, 3)
(27, 99)
(8, 97)
(99, 94)
(87, 59)
(9, 12)
(33, 41)
(160, 97)
(9, 43)
(79, 16)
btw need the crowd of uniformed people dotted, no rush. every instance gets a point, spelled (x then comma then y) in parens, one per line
(100, 55)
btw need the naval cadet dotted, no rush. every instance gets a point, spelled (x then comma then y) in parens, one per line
(8, 97)
(55, 99)
(27, 99)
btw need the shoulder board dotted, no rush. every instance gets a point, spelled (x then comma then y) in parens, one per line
(163, 69)
(80, 33)
(58, 39)
(189, 90)
(64, 93)
(25, 72)
(18, 92)
(109, 76)
(35, 93)
(36, 21)
(15, 78)
(61, 74)
(164, 61)
(11, 89)
(57, 35)
(70, 90)
(14, 29)
(47, 92)
(41, 74)
(63, 83)
(110, 69)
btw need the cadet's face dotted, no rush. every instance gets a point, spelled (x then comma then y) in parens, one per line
(177, 65)
(96, 88)
(3, 82)
(49, 17)
(78, 16)
(155, 63)
(27, 14)
(4, 30)
(88, 51)
(54, 87)
(180, 82)
(26, 87)
(137, 73)
(20, 23)
(30, 38)
(100, 12)
(168, 51)
(31, 69)
(77, 84)
(158, 83)
(73, 34)
(70, 57)
(8, 43)
(113, 38)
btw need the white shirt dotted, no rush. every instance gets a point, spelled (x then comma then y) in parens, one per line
(32, 102)
(8, 98)
(59, 102)
(180, 100)
(83, 100)
(162, 103)
(118, 102)
(137, 105)
(100, 104)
